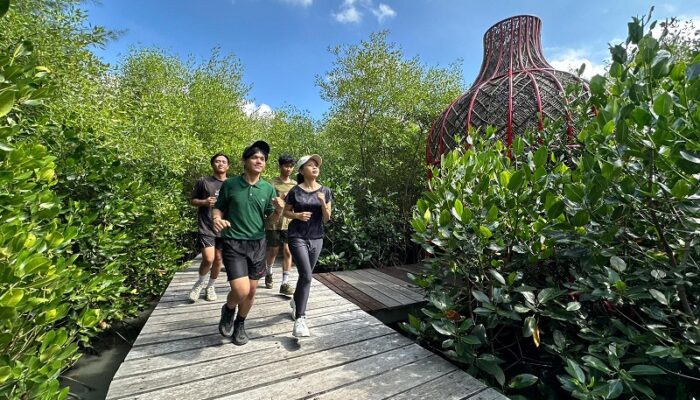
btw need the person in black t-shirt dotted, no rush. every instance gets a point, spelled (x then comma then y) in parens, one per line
(204, 197)
(308, 205)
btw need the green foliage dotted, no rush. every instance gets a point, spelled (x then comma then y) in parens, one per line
(36, 261)
(382, 107)
(575, 270)
(96, 166)
(365, 230)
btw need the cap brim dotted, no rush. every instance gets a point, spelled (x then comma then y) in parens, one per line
(262, 145)
(303, 160)
(316, 158)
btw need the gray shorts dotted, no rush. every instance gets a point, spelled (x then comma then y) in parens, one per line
(243, 258)
(204, 241)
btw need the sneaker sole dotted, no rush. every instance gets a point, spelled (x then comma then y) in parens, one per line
(239, 343)
(192, 299)
(221, 324)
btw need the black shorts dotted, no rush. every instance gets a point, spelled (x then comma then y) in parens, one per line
(276, 238)
(204, 241)
(243, 258)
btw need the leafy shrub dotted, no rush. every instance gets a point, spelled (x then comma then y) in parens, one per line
(91, 225)
(37, 274)
(366, 229)
(575, 270)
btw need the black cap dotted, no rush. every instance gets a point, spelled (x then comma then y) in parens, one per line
(252, 149)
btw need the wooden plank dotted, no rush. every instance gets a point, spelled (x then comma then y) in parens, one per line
(195, 322)
(378, 387)
(452, 386)
(174, 344)
(307, 385)
(370, 291)
(263, 340)
(349, 292)
(401, 272)
(180, 354)
(180, 383)
(206, 306)
(412, 294)
(341, 313)
(405, 283)
(388, 290)
(277, 307)
(268, 315)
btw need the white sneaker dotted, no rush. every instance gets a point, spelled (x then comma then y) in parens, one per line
(210, 294)
(294, 309)
(196, 290)
(300, 328)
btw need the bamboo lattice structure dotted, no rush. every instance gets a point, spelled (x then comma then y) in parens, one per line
(515, 90)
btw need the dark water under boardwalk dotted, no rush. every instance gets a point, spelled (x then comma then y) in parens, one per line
(90, 377)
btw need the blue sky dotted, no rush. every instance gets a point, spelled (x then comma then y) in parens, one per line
(283, 44)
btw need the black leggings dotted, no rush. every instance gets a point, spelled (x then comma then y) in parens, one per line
(305, 254)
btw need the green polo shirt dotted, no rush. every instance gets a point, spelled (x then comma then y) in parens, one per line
(246, 207)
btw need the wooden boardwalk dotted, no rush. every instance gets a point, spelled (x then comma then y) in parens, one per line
(372, 289)
(179, 354)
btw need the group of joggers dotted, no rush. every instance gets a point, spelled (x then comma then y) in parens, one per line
(244, 221)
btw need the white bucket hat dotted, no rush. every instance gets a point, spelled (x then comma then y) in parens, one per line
(306, 159)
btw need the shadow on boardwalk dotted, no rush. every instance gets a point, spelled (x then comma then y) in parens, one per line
(180, 354)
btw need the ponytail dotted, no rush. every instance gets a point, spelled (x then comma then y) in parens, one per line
(300, 178)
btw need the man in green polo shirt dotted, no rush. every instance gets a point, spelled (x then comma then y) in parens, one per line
(245, 203)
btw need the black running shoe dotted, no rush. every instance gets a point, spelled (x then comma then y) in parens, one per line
(226, 321)
(239, 336)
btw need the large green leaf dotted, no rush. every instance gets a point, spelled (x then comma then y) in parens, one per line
(556, 209)
(5, 373)
(615, 389)
(458, 209)
(11, 297)
(680, 190)
(581, 218)
(522, 381)
(516, 181)
(646, 370)
(7, 99)
(618, 263)
(540, 156)
(492, 368)
(663, 104)
(481, 296)
(575, 370)
(443, 328)
(658, 296)
(692, 71)
(596, 363)
(485, 232)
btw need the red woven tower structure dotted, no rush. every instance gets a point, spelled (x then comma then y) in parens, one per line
(516, 88)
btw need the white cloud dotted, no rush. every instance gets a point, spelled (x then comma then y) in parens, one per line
(257, 111)
(302, 3)
(384, 11)
(348, 13)
(351, 11)
(571, 59)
